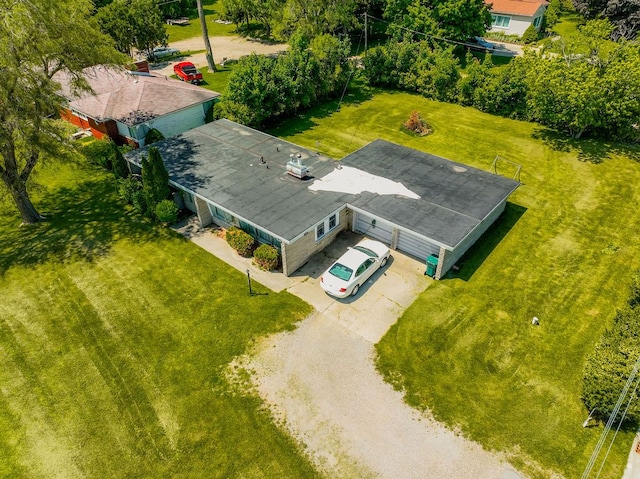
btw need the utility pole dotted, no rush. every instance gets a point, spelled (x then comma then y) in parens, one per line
(366, 32)
(205, 37)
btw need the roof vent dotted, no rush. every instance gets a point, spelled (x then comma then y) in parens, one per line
(295, 167)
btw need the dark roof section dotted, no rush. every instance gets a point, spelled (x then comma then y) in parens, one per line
(220, 161)
(454, 197)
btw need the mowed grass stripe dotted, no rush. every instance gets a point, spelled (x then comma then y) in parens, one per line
(114, 340)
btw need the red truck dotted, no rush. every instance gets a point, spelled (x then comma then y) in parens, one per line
(187, 71)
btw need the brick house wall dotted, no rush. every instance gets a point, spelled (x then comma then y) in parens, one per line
(294, 255)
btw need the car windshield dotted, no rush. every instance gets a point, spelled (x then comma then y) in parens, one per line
(340, 271)
(366, 251)
(189, 69)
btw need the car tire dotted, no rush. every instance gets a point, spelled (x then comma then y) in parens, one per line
(383, 263)
(355, 290)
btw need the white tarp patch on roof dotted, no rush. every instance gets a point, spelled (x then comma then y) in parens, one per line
(354, 181)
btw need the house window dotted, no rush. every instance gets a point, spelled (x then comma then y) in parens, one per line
(264, 237)
(326, 226)
(537, 21)
(500, 21)
(222, 215)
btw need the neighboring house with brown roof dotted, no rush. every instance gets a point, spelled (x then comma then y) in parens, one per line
(126, 105)
(513, 17)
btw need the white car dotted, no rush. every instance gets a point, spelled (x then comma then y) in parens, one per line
(162, 52)
(345, 276)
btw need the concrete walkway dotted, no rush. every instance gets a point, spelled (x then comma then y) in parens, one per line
(381, 300)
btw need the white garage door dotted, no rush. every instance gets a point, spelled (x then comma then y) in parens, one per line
(416, 246)
(377, 229)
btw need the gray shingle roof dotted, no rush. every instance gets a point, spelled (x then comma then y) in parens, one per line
(131, 98)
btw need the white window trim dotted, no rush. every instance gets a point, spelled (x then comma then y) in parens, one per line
(325, 225)
(494, 24)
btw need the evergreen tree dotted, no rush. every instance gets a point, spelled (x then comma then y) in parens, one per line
(118, 163)
(155, 179)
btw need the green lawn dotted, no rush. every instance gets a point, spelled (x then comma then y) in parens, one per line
(211, 12)
(114, 335)
(564, 251)
(216, 81)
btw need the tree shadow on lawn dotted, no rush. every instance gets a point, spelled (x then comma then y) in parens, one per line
(356, 94)
(480, 251)
(82, 223)
(587, 149)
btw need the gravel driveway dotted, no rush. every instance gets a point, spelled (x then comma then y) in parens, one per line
(229, 47)
(320, 383)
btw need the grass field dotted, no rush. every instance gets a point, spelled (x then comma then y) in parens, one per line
(211, 12)
(114, 334)
(564, 251)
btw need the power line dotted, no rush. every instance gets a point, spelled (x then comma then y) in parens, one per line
(416, 32)
(631, 398)
(610, 421)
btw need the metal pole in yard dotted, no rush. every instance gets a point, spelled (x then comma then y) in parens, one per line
(249, 281)
(365, 31)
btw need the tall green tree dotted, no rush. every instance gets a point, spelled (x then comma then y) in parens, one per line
(133, 24)
(565, 95)
(205, 37)
(449, 19)
(119, 165)
(262, 88)
(155, 179)
(414, 66)
(608, 367)
(315, 17)
(177, 8)
(624, 14)
(39, 39)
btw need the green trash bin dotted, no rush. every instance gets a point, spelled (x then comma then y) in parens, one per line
(432, 265)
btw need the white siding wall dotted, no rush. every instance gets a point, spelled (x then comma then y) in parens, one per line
(169, 125)
(518, 23)
(180, 121)
(468, 242)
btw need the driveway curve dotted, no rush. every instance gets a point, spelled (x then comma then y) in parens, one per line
(321, 385)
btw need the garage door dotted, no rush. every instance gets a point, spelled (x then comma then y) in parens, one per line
(377, 229)
(416, 246)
